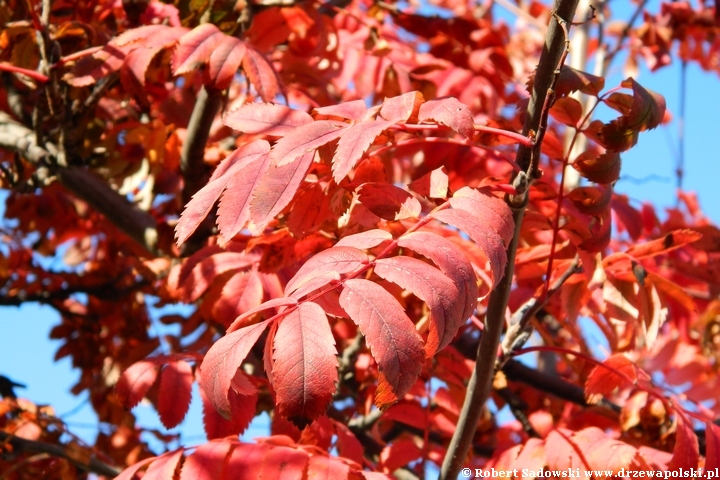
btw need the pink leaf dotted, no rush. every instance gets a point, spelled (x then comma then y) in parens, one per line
(304, 139)
(224, 62)
(266, 119)
(400, 109)
(222, 361)
(164, 466)
(451, 261)
(367, 239)
(352, 110)
(175, 392)
(205, 272)
(241, 160)
(489, 241)
(194, 48)
(388, 201)
(261, 74)
(432, 287)
(353, 144)
(138, 61)
(207, 461)
(337, 259)
(449, 111)
(275, 190)
(274, 303)
(234, 209)
(390, 334)
(304, 364)
(493, 211)
(135, 382)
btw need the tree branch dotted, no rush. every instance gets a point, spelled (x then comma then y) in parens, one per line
(480, 383)
(94, 465)
(137, 224)
(192, 161)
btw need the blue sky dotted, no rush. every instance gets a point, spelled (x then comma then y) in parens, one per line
(26, 355)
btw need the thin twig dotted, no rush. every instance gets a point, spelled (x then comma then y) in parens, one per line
(680, 166)
(625, 33)
(480, 383)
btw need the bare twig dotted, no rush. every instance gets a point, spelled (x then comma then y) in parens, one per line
(623, 35)
(480, 383)
(94, 465)
(680, 165)
(520, 321)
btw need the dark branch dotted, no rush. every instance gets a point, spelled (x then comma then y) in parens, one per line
(59, 451)
(137, 224)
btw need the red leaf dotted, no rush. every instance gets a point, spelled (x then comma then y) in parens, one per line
(489, 242)
(449, 111)
(712, 447)
(686, 452)
(353, 144)
(590, 448)
(310, 211)
(603, 168)
(266, 119)
(451, 261)
(242, 412)
(603, 381)
(321, 467)
(260, 461)
(207, 461)
(139, 59)
(224, 62)
(135, 382)
(222, 361)
(303, 139)
(647, 112)
(275, 190)
(242, 162)
(567, 111)
(164, 466)
(243, 292)
(304, 364)
(390, 334)
(274, 303)
(235, 206)
(571, 80)
(261, 74)
(400, 109)
(337, 259)
(194, 48)
(492, 210)
(671, 241)
(205, 272)
(432, 287)
(175, 392)
(433, 185)
(388, 201)
(398, 454)
(347, 443)
(368, 239)
(352, 110)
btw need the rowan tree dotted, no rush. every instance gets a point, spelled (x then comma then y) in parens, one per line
(369, 208)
